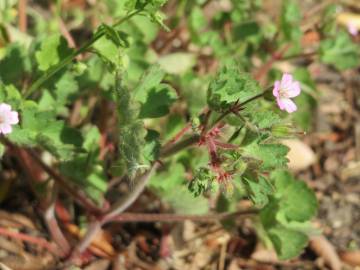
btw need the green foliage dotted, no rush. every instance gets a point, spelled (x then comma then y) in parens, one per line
(270, 156)
(258, 189)
(340, 52)
(171, 187)
(42, 128)
(202, 181)
(306, 101)
(290, 20)
(155, 98)
(14, 64)
(133, 67)
(288, 243)
(292, 202)
(53, 49)
(230, 86)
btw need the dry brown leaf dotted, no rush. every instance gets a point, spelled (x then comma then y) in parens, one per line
(300, 156)
(324, 249)
(100, 245)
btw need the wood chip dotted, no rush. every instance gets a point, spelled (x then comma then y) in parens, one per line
(324, 249)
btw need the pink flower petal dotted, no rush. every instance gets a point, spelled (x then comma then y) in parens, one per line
(352, 28)
(5, 128)
(280, 103)
(13, 118)
(286, 81)
(276, 88)
(294, 90)
(289, 105)
(5, 107)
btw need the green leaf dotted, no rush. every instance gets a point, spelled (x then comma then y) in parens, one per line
(271, 156)
(170, 186)
(340, 51)
(306, 101)
(296, 199)
(177, 63)
(231, 85)
(158, 102)
(59, 140)
(152, 146)
(53, 50)
(86, 173)
(150, 79)
(259, 189)
(286, 217)
(41, 128)
(290, 20)
(14, 65)
(202, 181)
(110, 53)
(197, 20)
(288, 243)
(10, 95)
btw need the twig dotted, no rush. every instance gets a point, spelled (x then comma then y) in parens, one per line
(122, 204)
(172, 149)
(145, 217)
(31, 239)
(22, 15)
(53, 225)
(301, 55)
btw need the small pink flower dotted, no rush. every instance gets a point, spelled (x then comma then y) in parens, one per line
(352, 29)
(7, 118)
(285, 90)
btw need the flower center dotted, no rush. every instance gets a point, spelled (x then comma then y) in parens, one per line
(283, 92)
(2, 119)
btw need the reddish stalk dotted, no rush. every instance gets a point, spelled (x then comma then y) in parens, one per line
(145, 217)
(31, 239)
(53, 226)
(22, 15)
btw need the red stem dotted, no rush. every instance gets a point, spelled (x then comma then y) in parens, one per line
(31, 239)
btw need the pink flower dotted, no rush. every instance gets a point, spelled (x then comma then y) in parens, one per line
(7, 118)
(285, 90)
(352, 28)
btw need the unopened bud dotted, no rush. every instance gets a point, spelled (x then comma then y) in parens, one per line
(282, 130)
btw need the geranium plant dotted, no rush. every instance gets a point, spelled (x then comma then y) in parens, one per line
(121, 108)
